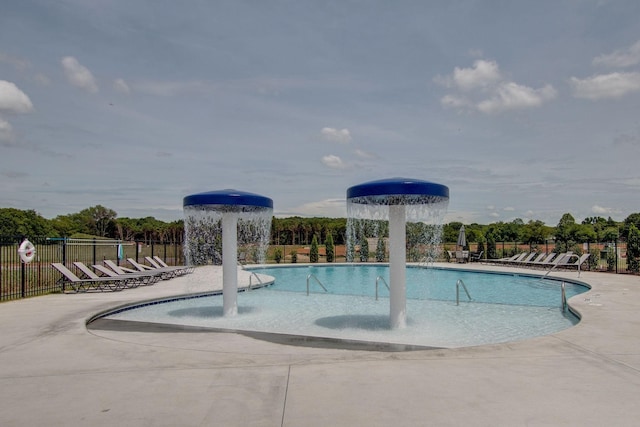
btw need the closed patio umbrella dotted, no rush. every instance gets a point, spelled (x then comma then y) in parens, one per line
(462, 238)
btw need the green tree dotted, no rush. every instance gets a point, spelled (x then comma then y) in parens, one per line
(330, 248)
(611, 258)
(364, 249)
(450, 232)
(96, 220)
(277, 255)
(633, 249)
(565, 233)
(535, 232)
(491, 245)
(381, 250)
(313, 252)
(16, 222)
(634, 219)
(294, 256)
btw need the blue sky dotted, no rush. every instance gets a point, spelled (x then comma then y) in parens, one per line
(523, 109)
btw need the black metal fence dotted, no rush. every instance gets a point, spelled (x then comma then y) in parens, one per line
(20, 280)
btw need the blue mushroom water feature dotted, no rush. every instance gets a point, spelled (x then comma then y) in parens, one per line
(396, 200)
(216, 215)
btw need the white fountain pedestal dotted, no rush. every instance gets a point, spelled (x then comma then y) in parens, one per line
(397, 268)
(230, 264)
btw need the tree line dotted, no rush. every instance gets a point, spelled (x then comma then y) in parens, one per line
(96, 221)
(99, 221)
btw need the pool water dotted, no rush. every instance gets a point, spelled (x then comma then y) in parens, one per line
(503, 307)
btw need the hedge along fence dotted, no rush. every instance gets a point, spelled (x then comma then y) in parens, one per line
(21, 280)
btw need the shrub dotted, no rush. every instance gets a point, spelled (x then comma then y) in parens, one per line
(594, 259)
(277, 255)
(330, 248)
(611, 258)
(364, 249)
(380, 250)
(633, 249)
(313, 252)
(294, 256)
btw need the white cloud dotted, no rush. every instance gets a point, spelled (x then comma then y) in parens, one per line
(483, 74)
(79, 75)
(331, 208)
(509, 209)
(620, 58)
(482, 88)
(121, 86)
(336, 135)
(333, 162)
(600, 210)
(614, 85)
(511, 96)
(12, 99)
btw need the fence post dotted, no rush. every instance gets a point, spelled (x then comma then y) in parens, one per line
(94, 251)
(64, 258)
(23, 273)
(135, 242)
(615, 251)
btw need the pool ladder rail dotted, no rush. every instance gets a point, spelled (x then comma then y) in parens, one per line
(251, 276)
(313, 276)
(378, 279)
(464, 287)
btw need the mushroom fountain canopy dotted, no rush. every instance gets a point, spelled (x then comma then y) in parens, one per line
(228, 201)
(413, 193)
(206, 215)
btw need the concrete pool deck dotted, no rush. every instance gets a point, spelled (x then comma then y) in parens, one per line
(55, 372)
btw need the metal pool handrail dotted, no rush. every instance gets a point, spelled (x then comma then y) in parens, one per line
(458, 283)
(383, 281)
(252, 274)
(313, 276)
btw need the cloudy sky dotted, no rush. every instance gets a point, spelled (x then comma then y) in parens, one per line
(523, 109)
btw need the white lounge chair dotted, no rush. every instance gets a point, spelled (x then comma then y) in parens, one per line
(187, 268)
(78, 284)
(542, 262)
(169, 270)
(537, 259)
(517, 259)
(526, 259)
(150, 276)
(130, 280)
(567, 263)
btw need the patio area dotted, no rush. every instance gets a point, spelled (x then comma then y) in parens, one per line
(55, 372)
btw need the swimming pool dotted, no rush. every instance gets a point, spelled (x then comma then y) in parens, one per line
(504, 307)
